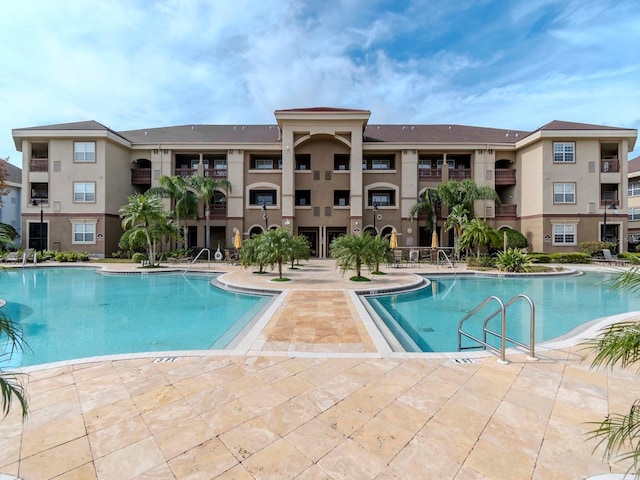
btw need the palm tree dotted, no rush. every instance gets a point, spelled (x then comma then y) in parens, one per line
(142, 213)
(428, 204)
(276, 246)
(620, 344)
(185, 202)
(380, 251)
(456, 220)
(252, 253)
(11, 385)
(465, 192)
(300, 249)
(204, 188)
(352, 251)
(475, 234)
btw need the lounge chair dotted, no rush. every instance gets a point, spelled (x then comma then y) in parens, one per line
(608, 258)
(397, 257)
(414, 257)
(12, 257)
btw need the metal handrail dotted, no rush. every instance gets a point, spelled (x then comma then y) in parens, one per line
(448, 261)
(502, 335)
(196, 259)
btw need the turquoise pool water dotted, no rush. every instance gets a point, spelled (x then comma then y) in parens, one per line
(70, 313)
(430, 316)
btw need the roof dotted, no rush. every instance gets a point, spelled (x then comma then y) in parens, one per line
(634, 165)
(324, 109)
(14, 174)
(562, 125)
(440, 134)
(72, 126)
(205, 134)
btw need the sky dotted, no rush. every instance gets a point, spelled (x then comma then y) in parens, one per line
(134, 64)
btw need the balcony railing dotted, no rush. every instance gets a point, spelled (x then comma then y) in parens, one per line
(459, 173)
(506, 210)
(218, 211)
(186, 172)
(430, 174)
(39, 164)
(609, 165)
(140, 176)
(505, 176)
(215, 172)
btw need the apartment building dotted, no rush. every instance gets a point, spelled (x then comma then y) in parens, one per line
(324, 172)
(11, 202)
(633, 193)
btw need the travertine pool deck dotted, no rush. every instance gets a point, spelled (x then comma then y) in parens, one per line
(310, 395)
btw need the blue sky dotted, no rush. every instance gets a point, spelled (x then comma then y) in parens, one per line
(141, 64)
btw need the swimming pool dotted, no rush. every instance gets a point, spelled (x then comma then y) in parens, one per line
(427, 319)
(71, 313)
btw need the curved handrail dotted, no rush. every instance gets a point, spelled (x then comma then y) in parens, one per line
(196, 259)
(447, 259)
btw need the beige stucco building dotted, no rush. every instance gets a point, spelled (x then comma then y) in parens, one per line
(323, 172)
(633, 194)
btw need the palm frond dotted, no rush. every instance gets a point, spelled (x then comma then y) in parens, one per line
(616, 344)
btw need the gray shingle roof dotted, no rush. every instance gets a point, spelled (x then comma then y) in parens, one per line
(14, 174)
(206, 134)
(562, 125)
(440, 134)
(634, 165)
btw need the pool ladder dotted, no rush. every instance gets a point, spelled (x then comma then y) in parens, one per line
(196, 259)
(502, 335)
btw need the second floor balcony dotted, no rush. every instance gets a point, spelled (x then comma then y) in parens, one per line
(140, 176)
(459, 173)
(432, 174)
(39, 164)
(506, 210)
(505, 176)
(608, 165)
(218, 210)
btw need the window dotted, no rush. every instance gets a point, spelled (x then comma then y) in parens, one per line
(341, 198)
(303, 198)
(634, 189)
(424, 164)
(564, 152)
(84, 233)
(384, 198)
(84, 152)
(220, 164)
(265, 162)
(341, 161)
(564, 193)
(564, 234)
(634, 214)
(379, 162)
(84, 192)
(262, 197)
(303, 161)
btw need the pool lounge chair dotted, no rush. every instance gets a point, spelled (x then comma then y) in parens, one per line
(12, 257)
(608, 258)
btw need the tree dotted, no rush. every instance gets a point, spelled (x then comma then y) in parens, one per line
(427, 205)
(474, 234)
(252, 253)
(619, 344)
(11, 385)
(465, 192)
(185, 202)
(4, 187)
(352, 251)
(276, 246)
(300, 249)
(142, 213)
(380, 250)
(204, 188)
(457, 219)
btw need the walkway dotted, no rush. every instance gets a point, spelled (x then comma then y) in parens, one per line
(314, 399)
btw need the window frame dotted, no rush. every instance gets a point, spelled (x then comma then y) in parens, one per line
(81, 155)
(633, 189)
(633, 214)
(561, 154)
(564, 200)
(561, 238)
(85, 193)
(85, 240)
(257, 197)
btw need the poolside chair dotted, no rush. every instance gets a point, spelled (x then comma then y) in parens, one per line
(414, 257)
(12, 257)
(397, 257)
(608, 258)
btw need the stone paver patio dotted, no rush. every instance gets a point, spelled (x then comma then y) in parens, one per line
(310, 395)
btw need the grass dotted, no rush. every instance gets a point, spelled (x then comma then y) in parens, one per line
(355, 278)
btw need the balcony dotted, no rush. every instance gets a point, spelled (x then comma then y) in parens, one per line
(39, 164)
(505, 176)
(140, 176)
(609, 165)
(218, 211)
(459, 173)
(432, 174)
(506, 210)
(215, 172)
(186, 172)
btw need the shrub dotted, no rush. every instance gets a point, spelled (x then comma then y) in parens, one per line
(513, 260)
(138, 257)
(482, 261)
(594, 249)
(515, 239)
(570, 257)
(540, 257)
(67, 257)
(633, 258)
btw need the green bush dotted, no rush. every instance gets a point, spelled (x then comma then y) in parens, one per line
(594, 249)
(482, 261)
(540, 257)
(67, 257)
(515, 239)
(634, 258)
(513, 260)
(138, 257)
(570, 257)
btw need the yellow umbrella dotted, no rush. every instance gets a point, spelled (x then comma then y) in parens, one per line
(434, 240)
(393, 241)
(237, 240)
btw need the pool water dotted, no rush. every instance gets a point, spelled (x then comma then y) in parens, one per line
(429, 317)
(70, 313)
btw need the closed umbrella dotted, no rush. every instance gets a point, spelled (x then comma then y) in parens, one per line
(434, 240)
(237, 240)
(393, 241)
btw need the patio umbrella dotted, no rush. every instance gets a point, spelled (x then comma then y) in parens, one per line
(434, 240)
(393, 241)
(237, 240)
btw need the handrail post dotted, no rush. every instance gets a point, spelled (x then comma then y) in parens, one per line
(503, 337)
